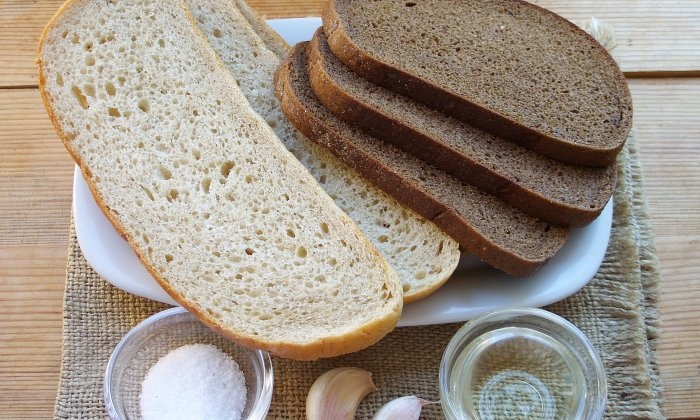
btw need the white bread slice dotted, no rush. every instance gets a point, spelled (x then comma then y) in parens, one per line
(423, 256)
(223, 216)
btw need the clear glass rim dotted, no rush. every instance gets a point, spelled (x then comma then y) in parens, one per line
(597, 406)
(262, 400)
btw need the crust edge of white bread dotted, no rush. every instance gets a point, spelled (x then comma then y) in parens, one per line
(322, 346)
(423, 255)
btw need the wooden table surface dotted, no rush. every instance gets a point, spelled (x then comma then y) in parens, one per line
(658, 49)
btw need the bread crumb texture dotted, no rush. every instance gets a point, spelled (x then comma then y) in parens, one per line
(495, 232)
(423, 256)
(496, 165)
(509, 56)
(219, 210)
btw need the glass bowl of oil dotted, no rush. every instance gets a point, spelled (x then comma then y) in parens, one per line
(521, 363)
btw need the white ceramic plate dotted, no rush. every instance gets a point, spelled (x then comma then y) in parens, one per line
(473, 289)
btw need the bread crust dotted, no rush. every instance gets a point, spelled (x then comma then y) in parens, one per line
(446, 217)
(329, 346)
(410, 240)
(404, 135)
(271, 38)
(472, 112)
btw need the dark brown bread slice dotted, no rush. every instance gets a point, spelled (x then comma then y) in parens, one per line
(541, 187)
(485, 226)
(506, 66)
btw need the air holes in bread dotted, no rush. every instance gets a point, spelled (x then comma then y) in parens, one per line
(148, 192)
(164, 173)
(82, 100)
(291, 233)
(113, 112)
(217, 33)
(206, 183)
(249, 251)
(226, 168)
(172, 195)
(144, 105)
(110, 89)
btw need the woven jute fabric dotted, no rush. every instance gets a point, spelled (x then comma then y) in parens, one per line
(617, 310)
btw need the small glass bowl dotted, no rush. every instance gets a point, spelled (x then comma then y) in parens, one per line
(163, 332)
(521, 363)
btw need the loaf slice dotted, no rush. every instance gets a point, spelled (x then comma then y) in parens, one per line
(224, 217)
(273, 41)
(505, 66)
(423, 256)
(493, 231)
(541, 187)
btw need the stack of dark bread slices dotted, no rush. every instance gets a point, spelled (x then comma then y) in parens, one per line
(498, 120)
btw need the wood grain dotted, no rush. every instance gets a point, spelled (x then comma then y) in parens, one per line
(31, 291)
(667, 120)
(35, 201)
(36, 196)
(654, 38)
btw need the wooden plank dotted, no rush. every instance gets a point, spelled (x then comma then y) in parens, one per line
(21, 23)
(35, 199)
(654, 37)
(658, 38)
(31, 290)
(667, 120)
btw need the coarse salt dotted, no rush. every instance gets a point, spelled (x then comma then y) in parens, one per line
(195, 381)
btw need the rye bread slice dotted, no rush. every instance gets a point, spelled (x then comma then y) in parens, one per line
(506, 66)
(541, 187)
(485, 226)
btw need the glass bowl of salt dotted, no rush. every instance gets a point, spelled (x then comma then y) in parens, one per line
(171, 366)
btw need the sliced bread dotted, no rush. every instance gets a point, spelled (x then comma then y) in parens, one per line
(541, 187)
(505, 66)
(485, 226)
(224, 217)
(273, 41)
(423, 256)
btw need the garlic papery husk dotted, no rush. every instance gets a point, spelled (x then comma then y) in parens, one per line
(404, 408)
(336, 394)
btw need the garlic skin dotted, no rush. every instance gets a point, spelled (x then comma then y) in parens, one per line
(404, 408)
(336, 394)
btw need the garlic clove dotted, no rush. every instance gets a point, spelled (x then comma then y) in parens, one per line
(404, 408)
(336, 394)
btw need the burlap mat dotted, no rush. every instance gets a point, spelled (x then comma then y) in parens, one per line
(617, 311)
